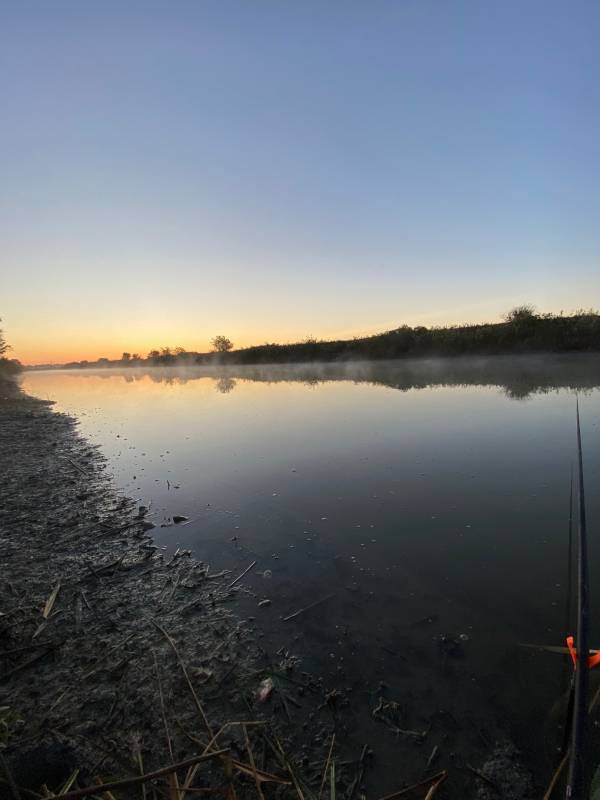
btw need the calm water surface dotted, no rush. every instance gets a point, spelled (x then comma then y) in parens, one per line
(430, 500)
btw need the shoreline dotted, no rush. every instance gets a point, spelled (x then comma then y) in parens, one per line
(115, 661)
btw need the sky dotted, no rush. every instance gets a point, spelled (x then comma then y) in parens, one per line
(274, 169)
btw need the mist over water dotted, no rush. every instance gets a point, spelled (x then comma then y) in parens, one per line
(429, 498)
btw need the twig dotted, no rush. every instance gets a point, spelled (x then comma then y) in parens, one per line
(481, 776)
(239, 577)
(76, 465)
(162, 706)
(288, 766)
(70, 781)
(332, 793)
(251, 760)
(434, 788)
(556, 776)
(360, 769)
(307, 608)
(100, 788)
(436, 779)
(187, 677)
(173, 781)
(263, 776)
(432, 757)
(50, 601)
(327, 765)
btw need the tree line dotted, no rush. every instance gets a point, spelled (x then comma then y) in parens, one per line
(8, 366)
(522, 330)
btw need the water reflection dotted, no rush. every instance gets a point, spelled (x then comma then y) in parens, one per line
(225, 384)
(518, 376)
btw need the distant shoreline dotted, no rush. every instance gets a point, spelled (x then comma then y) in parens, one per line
(523, 333)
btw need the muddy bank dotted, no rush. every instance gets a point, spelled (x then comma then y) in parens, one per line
(117, 660)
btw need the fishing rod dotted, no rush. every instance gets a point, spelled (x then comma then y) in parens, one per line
(570, 674)
(576, 779)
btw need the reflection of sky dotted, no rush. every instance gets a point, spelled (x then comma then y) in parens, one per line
(353, 453)
(273, 170)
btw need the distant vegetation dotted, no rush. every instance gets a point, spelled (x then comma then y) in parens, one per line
(221, 344)
(522, 331)
(8, 366)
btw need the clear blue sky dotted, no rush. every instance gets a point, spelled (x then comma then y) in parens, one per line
(269, 170)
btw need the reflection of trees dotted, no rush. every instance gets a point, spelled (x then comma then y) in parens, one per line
(518, 376)
(225, 384)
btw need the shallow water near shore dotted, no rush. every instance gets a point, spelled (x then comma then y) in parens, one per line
(425, 504)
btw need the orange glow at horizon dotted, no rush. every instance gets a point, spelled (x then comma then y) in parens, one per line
(49, 335)
(61, 347)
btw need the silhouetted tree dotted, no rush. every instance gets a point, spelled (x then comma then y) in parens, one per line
(221, 344)
(520, 314)
(126, 357)
(167, 356)
(4, 348)
(8, 366)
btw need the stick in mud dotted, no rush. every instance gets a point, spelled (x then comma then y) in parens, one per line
(239, 577)
(327, 765)
(436, 779)
(307, 608)
(252, 764)
(50, 601)
(432, 757)
(187, 677)
(101, 788)
(479, 774)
